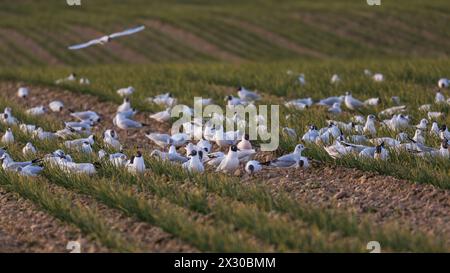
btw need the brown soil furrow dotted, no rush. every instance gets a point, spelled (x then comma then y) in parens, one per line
(421, 207)
(192, 40)
(26, 228)
(276, 39)
(114, 47)
(29, 45)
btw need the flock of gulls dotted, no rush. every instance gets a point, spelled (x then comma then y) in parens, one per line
(224, 151)
(233, 148)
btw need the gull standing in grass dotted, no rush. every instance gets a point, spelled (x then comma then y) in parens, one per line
(29, 149)
(252, 167)
(194, 164)
(36, 111)
(126, 92)
(162, 116)
(247, 95)
(111, 140)
(231, 161)
(294, 159)
(107, 38)
(352, 103)
(22, 92)
(136, 163)
(56, 106)
(8, 137)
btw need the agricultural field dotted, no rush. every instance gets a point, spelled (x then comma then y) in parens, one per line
(201, 48)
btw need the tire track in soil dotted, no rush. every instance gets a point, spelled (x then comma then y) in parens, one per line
(192, 40)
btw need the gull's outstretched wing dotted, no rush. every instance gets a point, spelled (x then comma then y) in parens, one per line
(127, 32)
(80, 46)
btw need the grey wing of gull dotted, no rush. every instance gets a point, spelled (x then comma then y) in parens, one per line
(127, 32)
(131, 123)
(178, 158)
(159, 137)
(84, 45)
(284, 161)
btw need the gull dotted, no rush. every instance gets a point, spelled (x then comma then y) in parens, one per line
(439, 98)
(214, 159)
(126, 92)
(136, 164)
(40, 134)
(203, 102)
(395, 100)
(252, 167)
(294, 159)
(76, 168)
(367, 72)
(118, 159)
(194, 164)
(8, 137)
(331, 100)
(352, 103)
(28, 149)
(110, 139)
(36, 111)
(189, 148)
(335, 79)
(56, 106)
(425, 107)
(84, 81)
(301, 79)
(378, 77)
(442, 152)
(225, 139)
(125, 106)
(161, 140)
(245, 144)
(67, 133)
(419, 137)
(311, 135)
(435, 115)
(231, 161)
(22, 92)
(8, 119)
(358, 139)
(204, 145)
(234, 101)
(334, 130)
(162, 116)
(86, 148)
(296, 105)
(443, 83)
(72, 77)
(9, 164)
(359, 119)
(338, 150)
(393, 110)
(369, 127)
(247, 95)
(86, 115)
(335, 109)
(443, 132)
(434, 129)
(397, 122)
(245, 155)
(77, 143)
(30, 170)
(381, 153)
(77, 125)
(128, 114)
(163, 99)
(126, 123)
(107, 38)
(388, 141)
(423, 124)
(290, 133)
(172, 155)
(372, 101)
